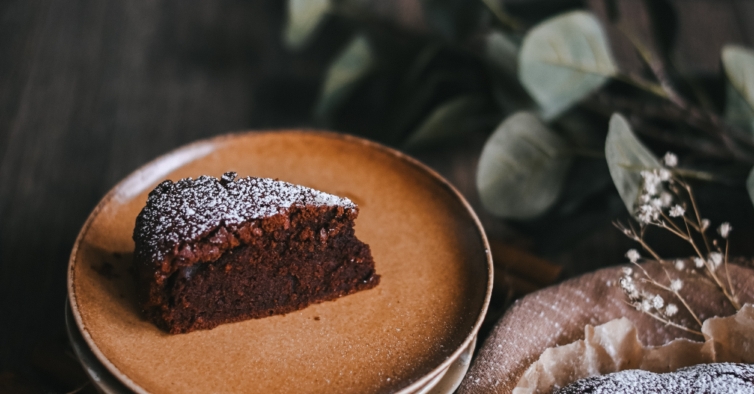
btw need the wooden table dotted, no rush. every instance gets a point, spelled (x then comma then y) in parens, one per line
(90, 90)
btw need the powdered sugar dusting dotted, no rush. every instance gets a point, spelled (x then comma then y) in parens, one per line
(722, 378)
(187, 210)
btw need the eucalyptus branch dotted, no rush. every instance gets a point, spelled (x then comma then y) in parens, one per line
(642, 83)
(658, 67)
(502, 16)
(639, 112)
(705, 120)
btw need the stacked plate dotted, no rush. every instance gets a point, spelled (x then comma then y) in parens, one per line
(414, 333)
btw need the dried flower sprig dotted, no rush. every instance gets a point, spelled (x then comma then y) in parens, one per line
(666, 201)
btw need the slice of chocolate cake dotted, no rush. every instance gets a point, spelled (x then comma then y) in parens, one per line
(211, 251)
(721, 378)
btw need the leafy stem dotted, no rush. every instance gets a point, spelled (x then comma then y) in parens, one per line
(658, 68)
(702, 119)
(502, 16)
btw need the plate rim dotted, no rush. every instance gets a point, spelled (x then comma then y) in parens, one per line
(265, 132)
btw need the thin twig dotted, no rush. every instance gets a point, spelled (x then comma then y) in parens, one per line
(670, 323)
(675, 230)
(691, 241)
(642, 83)
(638, 112)
(507, 20)
(79, 388)
(730, 285)
(701, 118)
(725, 291)
(702, 230)
(692, 224)
(658, 69)
(701, 175)
(677, 295)
(650, 250)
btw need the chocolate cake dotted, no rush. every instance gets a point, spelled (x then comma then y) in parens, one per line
(720, 378)
(211, 251)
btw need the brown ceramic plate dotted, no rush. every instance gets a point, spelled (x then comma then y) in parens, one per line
(427, 243)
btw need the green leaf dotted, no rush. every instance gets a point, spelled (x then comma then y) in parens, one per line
(345, 72)
(502, 52)
(563, 60)
(522, 168)
(447, 121)
(303, 18)
(738, 63)
(626, 158)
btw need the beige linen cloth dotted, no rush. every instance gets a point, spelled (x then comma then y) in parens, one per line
(557, 316)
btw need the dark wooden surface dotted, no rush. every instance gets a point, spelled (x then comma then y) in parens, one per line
(90, 90)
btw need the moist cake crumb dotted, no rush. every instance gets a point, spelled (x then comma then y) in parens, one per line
(211, 251)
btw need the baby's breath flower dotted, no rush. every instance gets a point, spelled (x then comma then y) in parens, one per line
(651, 181)
(633, 256)
(628, 286)
(651, 188)
(658, 302)
(716, 259)
(677, 211)
(666, 199)
(648, 214)
(645, 217)
(659, 197)
(663, 174)
(724, 230)
(671, 310)
(670, 159)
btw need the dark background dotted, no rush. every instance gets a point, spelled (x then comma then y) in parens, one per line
(91, 90)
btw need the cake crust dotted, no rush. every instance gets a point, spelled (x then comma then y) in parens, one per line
(211, 251)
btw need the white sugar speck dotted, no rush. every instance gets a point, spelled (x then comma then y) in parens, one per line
(187, 210)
